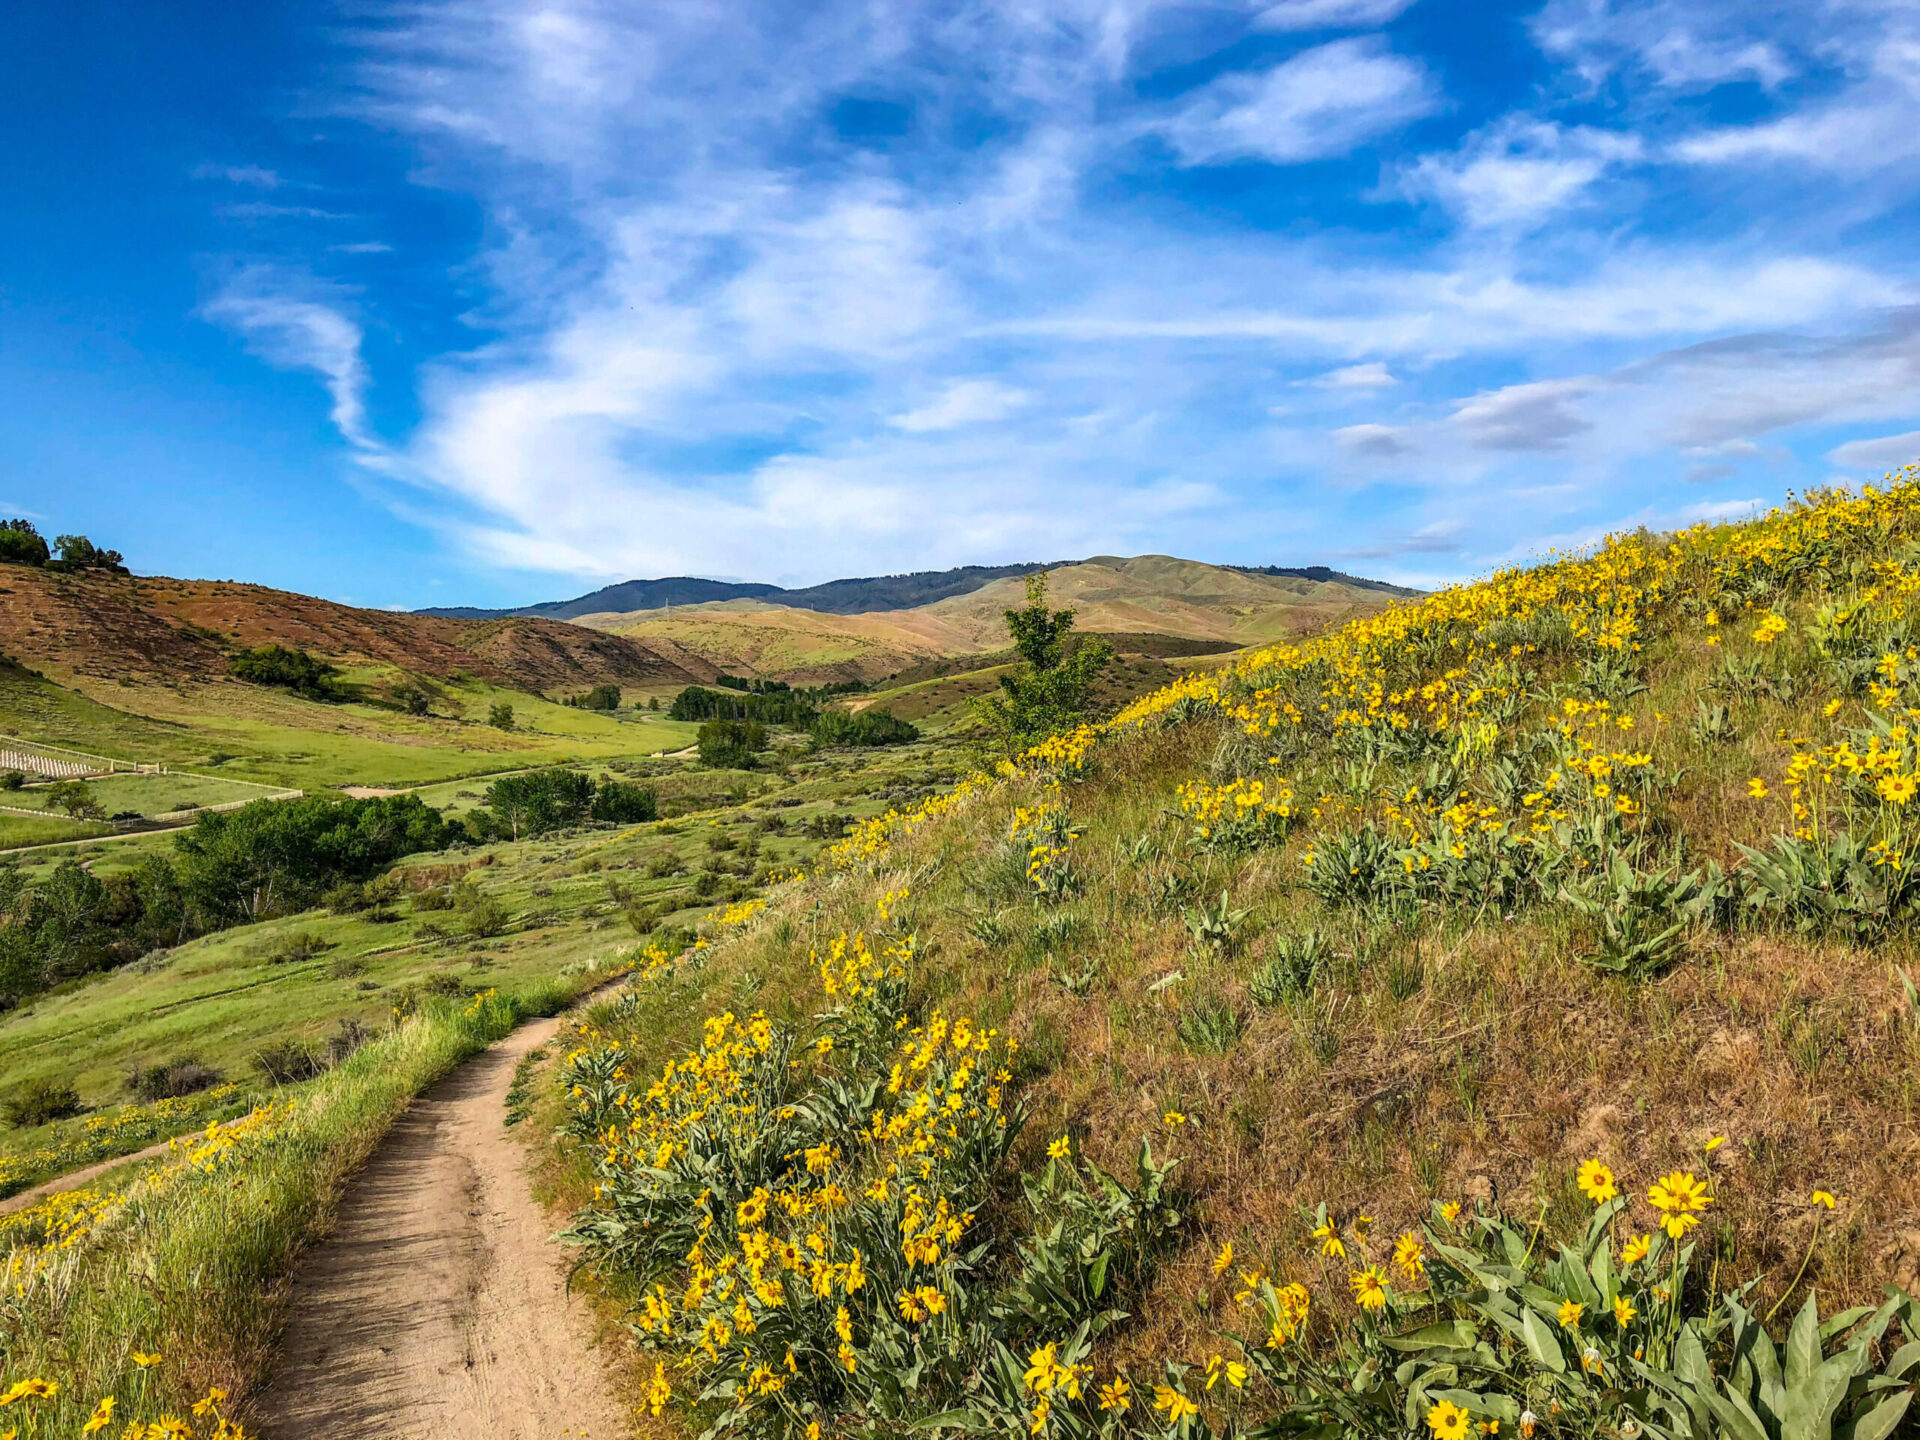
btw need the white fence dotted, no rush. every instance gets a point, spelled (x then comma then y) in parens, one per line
(53, 769)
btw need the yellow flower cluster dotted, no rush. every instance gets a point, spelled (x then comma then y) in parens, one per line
(847, 1232)
(101, 1137)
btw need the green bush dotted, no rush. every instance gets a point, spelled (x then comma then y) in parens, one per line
(35, 1102)
(286, 669)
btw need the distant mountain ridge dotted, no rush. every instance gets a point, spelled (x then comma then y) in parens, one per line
(862, 596)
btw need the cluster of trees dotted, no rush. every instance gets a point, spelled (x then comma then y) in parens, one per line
(732, 744)
(601, 697)
(22, 544)
(869, 727)
(286, 669)
(784, 706)
(272, 857)
(517, 806)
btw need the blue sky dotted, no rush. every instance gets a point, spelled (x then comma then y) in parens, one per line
(498, 300)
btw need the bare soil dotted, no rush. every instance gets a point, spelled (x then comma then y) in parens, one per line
(438, 1306)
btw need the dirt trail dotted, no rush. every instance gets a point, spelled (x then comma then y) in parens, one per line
(438, 1306)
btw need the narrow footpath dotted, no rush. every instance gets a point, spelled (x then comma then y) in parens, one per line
(438, 1305)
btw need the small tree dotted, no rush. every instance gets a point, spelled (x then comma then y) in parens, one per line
(20, 544)
(76, 797)
(501, 716)
(77, 552)
(1051, 690)
(414, 701)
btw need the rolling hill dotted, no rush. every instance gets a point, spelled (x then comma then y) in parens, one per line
(1144, 595)
(136, 669)
(839, 597)
(115, 630)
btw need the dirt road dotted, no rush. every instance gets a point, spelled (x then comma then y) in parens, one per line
(438, 1305)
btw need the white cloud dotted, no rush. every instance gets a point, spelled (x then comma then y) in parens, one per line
(1324, 101)
(255, 175)
(1886, 452)
(1328, 14)
(964, 402)
(721, 336)
(292, 321)
(1373, 375)
(1536, 416)
(1518, 171)
(1378, 441)
(1700, 43)
(1873, 123)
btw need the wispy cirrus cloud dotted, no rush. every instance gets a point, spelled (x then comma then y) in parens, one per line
(296, 322)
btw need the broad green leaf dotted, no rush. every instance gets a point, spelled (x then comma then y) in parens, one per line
(1903, 1359)
(1878, 1423)
(1541, 1343)
(1449, 1335)
(1803, 1344)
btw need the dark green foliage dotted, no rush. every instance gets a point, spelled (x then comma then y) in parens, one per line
(730, 744)
(601, 697)
(536, 802)
(279, 856)
(869, 727)
(1052, 689)
(12, 780)
(21, 544)
(766, 707)
(182, 1075)
(37, 1101)
(500, 716)
(76, 798)
(414, 701)
(620, 803)
(286, 669)
(79, 553)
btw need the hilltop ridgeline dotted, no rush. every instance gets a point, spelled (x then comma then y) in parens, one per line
(845, 597)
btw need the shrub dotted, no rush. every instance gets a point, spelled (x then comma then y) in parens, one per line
(181, 1076)
(1296, 964)
(621, 803)
(295, 670)
(35, 1102)
(485, 919)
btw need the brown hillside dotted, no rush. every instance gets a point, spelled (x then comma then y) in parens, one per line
(117, 628)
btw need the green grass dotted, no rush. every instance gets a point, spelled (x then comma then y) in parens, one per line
(38, 830)
(196, 1267)
(161, 794)
(223, 998)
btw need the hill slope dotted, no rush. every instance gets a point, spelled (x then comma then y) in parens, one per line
(1149, 594)
(1577, 905)
(838, 597)
(117, 629)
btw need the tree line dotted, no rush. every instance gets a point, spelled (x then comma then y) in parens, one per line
(21, 543)
(272, 857)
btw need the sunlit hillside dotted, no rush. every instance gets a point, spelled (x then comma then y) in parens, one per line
(1149, 594)
(1572, 906)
